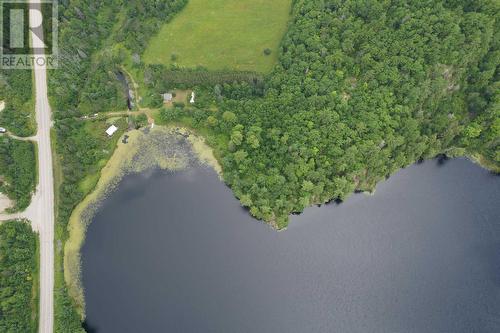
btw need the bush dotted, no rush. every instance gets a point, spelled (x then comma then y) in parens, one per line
(163, 79)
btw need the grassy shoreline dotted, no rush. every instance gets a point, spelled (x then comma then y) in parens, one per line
(483, 163)
(125, 159)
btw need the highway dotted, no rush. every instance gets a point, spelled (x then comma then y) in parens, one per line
(45, 217)
(43, 211)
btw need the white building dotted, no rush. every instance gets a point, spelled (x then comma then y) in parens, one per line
(111, 130)
(192, 98)
(167, 97)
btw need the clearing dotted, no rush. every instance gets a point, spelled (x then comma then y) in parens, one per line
(222, 34)
(5, 203)
(180, 96)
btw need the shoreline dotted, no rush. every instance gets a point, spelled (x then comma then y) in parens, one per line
(146, 149)
(137, 156)
(483, 163)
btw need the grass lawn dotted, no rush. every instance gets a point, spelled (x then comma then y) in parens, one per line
(222, 34)
(96, 129)
(181, 96)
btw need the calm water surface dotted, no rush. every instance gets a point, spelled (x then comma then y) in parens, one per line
(174, 252)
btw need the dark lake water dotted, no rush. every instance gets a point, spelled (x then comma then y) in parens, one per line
(174, 252)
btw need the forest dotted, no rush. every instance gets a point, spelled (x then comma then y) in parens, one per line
(16, 92)
(17, 162)
(18, 171)
(18, 276)
(361, 89)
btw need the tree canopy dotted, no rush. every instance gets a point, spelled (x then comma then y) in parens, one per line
(18, 267)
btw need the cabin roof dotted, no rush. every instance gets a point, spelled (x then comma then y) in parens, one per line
(111, 130)
(167, 97)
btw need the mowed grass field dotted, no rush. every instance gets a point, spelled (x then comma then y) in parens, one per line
(222, 34)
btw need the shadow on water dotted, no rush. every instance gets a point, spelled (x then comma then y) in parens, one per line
(336, 202)
(442, 159)
(89, 329)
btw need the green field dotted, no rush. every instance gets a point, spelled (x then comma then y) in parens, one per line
(222, 34)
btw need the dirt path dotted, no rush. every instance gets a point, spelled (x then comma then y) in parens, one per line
(31, 138)
(147, 112)
(5, 203)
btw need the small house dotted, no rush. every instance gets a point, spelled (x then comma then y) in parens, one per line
(167, 97)
(111, 130)
(192, 98)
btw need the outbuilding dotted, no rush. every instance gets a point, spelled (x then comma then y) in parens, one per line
(111, 130)
(167, 97)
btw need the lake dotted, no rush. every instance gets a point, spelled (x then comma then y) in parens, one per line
(174, 252)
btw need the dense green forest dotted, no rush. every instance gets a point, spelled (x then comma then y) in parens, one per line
(16, 92)
(362, 88)
(18, 276)
(17, 162)
(17, 171)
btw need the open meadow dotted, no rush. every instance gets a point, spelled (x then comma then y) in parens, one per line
(222, 34)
